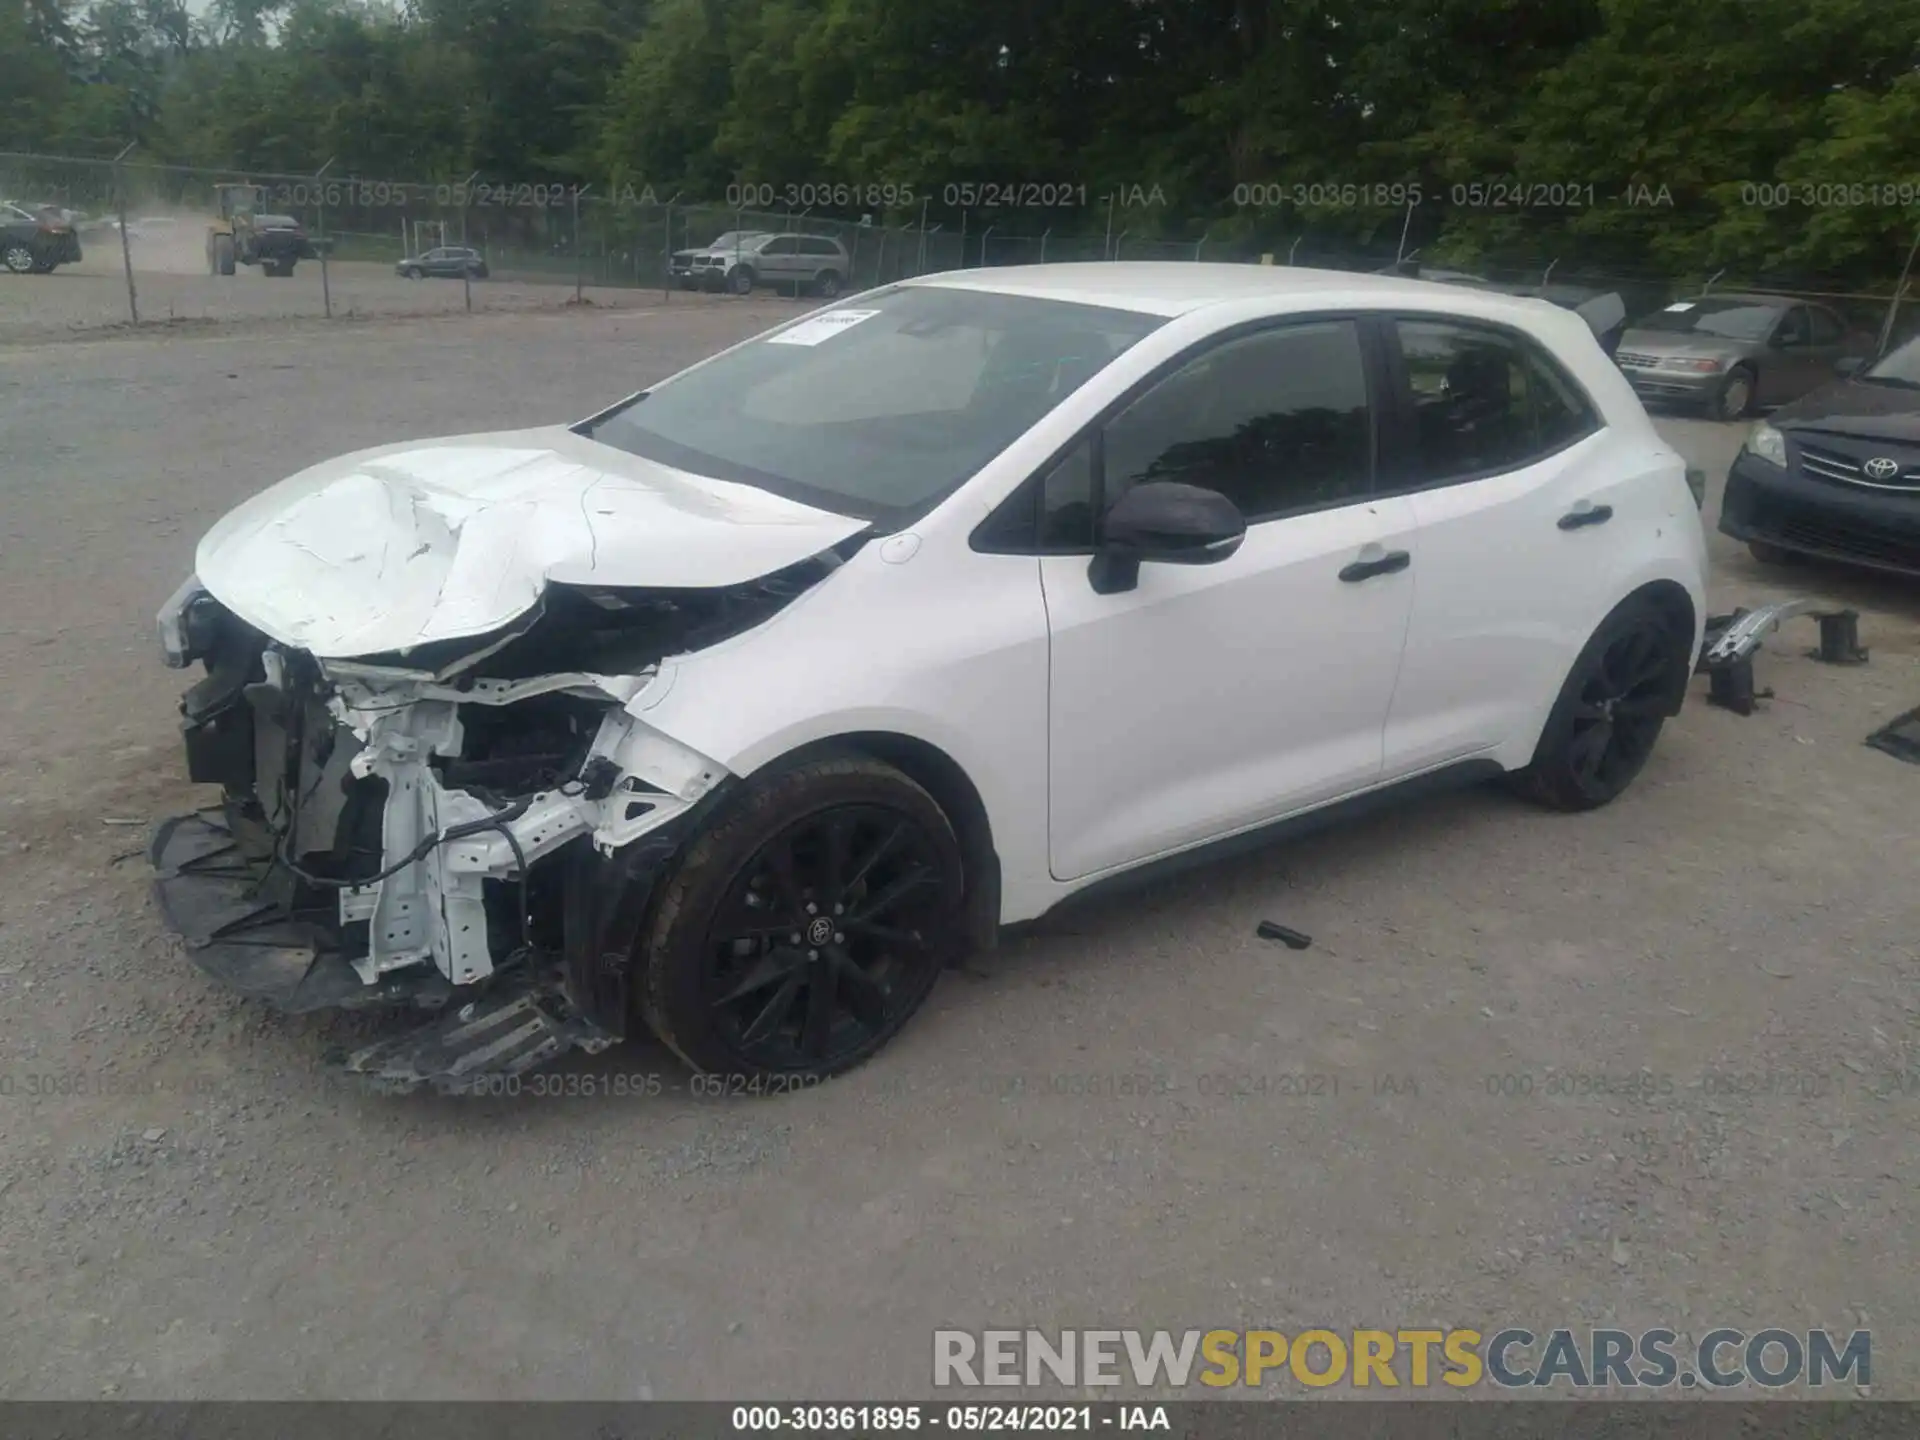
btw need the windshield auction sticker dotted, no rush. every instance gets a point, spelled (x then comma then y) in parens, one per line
(815, 328)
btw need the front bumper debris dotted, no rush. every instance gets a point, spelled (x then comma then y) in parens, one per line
(1726, 659)
(242, 923)
(517, 1026)
(484, 849)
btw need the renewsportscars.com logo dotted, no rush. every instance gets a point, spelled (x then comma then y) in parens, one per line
(1511, 1358)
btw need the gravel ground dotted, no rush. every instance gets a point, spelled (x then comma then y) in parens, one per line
(206, 1217)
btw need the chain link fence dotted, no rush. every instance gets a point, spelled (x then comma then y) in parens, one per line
(536, 237)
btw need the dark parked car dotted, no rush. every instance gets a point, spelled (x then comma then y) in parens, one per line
(448, 260)
(1837, 473)
(1731, 353)
(33, 242)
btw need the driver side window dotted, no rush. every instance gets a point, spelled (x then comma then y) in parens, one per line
(1793, 330)
(1276, 421)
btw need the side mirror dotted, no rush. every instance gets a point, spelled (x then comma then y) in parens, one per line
(1849, 366)
(1167, 523)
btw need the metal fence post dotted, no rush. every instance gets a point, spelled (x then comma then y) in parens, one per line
(466, 271)
(579, 275)
(320, 198)
(126, 245)
(1295, 246)
(923, 233)
(1405, 226)
(983, 247)
(666, 254)
(1893, 305)
(1043, 243)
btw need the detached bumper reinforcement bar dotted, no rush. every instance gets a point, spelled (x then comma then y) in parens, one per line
(1732, 640)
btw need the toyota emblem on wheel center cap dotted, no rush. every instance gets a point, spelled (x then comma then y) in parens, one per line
(1881, 468)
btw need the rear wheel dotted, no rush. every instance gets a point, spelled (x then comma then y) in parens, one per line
(1610, 710)
(17, 256)
(805, 928)
(827, 285)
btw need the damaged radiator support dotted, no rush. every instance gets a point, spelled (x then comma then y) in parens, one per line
(521, 825)
(1726, 659)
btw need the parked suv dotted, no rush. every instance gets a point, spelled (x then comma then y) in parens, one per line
(34, 242)
(738, 262)
(450, 260)
(704, 267)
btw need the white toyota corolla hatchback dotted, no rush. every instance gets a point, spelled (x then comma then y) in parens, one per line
(742, 708)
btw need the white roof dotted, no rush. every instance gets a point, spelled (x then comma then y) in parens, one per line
(1175, 287)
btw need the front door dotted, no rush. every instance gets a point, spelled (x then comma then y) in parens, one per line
(1209, 699)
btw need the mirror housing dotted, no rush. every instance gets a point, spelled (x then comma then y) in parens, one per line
(1848, 366)
(1167, 523)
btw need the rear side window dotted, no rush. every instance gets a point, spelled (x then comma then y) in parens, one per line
(1485, 401)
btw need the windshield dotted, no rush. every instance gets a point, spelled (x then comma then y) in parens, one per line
(1899, 367)
(734, 238)
(1724, 319)
(882, 406)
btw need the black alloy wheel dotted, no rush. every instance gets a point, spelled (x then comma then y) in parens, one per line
(808, 926)
(1610, 711)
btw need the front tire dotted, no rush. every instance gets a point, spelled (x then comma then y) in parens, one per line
(827, 286)
(1610, 711)
(1768, 553)
(740, 280)
(1734, 399)
(852, 858)
(223, 255)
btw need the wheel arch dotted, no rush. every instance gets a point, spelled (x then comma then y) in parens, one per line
(952, 789)
(1670, 597)
(1675, 601)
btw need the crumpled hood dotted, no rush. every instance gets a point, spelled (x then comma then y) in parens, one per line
(391, 548)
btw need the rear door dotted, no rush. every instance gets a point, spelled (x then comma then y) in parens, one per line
(777, 261)
(1787, 371)
(1504, 462)
(1828, 339)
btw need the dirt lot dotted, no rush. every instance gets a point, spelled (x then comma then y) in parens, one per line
(207, 1218)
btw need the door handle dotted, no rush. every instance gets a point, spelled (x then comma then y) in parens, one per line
(1386, 564)
(1584, 514)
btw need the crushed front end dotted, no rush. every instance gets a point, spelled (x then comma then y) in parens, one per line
(479, 840)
